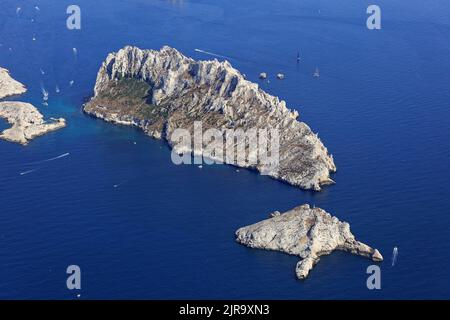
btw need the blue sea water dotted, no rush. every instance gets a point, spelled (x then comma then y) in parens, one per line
(381, 106)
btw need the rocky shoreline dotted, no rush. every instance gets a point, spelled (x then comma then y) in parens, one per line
(161, 91)
(25, 119)
(307, 233)
(9, 86)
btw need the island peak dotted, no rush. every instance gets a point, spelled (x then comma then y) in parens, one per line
(304, 232)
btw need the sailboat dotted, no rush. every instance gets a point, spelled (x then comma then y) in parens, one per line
(298, 57)
(316, 73)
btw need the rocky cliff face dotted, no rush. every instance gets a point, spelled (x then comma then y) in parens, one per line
(26, 121)
(160, 91)
(9, 86)
(307, 233)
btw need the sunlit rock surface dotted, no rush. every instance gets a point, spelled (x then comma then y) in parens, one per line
(25, 120)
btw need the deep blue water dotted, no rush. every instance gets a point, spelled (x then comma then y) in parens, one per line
(3, 124)
(381, 106)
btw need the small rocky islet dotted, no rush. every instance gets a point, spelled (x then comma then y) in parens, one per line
(182, 91)
(304, 232)
(162, 90)
(25, 119)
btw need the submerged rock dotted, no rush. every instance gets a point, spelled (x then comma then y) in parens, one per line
(27, 123)
(307, 233)
(160, 91)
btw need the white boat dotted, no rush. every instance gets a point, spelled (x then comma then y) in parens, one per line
(316, 73)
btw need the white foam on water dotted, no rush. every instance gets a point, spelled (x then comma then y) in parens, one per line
(394, 256)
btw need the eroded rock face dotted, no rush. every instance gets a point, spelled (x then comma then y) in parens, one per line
(307, 233)
(9, 86)
(27, 123)
(160, 91)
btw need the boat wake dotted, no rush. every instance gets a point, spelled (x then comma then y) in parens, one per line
(394, 256)
(119, 184)
(44, 94)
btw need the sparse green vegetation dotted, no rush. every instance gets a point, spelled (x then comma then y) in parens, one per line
(131, 96)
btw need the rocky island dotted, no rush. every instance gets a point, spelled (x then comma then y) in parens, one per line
(26, 121)
(160, 91)
(9, 86)
(304, 232)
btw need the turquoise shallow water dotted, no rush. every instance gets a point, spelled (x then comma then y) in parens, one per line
(381, 106)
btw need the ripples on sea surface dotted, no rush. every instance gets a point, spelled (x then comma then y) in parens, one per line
(381, 106)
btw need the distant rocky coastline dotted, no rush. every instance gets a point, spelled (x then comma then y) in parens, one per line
(307, 233)
(160, 91)
(25, 119)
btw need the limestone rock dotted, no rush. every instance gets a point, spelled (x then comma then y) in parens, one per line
(275, 214)
(27, 123)
(307, 233)
(160, 91)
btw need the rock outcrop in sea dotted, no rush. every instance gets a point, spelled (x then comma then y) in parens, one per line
(9, 86)
(26, 121)
(304, 232)
(160, 91)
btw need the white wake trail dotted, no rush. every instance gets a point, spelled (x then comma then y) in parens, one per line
(52, 159)
(213, 54)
